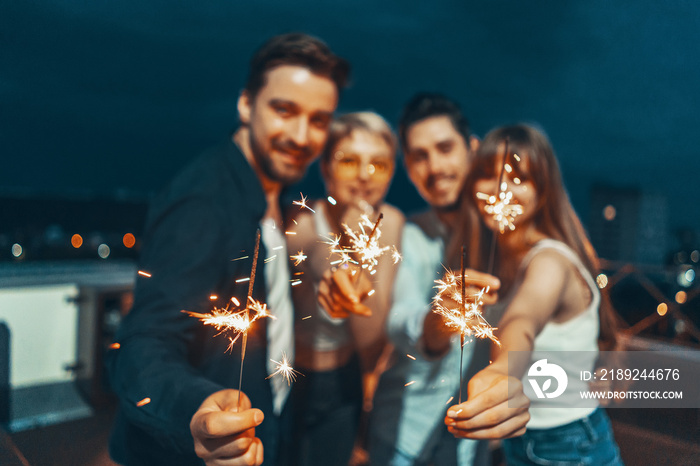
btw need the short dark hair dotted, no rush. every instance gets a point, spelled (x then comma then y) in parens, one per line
(429, 104)
(296, 49)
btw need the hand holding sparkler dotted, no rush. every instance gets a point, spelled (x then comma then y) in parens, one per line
(343, 288)
(496, 408)
(446, 318)
(223, 429)
(341, 292)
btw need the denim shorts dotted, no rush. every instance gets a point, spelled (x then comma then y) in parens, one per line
(587, 441)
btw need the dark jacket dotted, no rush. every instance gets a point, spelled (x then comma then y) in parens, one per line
(197, 229)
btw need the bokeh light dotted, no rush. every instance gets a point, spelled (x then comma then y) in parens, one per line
(662, 309)
(609, 212)
(681, 297)
(129, 240)
(76, 241)
(17, 250)
(602, 280)
(103, 251)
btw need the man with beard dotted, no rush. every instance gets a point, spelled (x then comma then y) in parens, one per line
(174, 378)
(422, 381)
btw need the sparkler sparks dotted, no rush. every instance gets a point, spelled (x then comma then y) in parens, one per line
(237, 322)
(298, 258)
(364, 244)
(502, 208)
(302, 203)
(144, 274)
(467, 318)
(284, 369)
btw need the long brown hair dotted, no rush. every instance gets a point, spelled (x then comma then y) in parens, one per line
(554, 215)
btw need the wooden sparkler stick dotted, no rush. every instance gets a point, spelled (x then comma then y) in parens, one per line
(247, 304)
(463, 309)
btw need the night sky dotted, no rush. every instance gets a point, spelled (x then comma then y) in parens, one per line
(112, 98)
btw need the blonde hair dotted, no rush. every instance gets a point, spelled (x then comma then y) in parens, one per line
(345, 124)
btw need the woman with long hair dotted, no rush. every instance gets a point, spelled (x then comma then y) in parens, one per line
(549, 299)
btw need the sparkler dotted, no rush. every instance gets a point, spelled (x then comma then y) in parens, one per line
(501, 206)
(466, 317)
(256, 251)
(238, 322)
(298, 258)
(363, 245)
(302, 203)
(284, 369)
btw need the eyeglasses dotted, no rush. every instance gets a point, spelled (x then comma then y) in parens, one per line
(348, 166)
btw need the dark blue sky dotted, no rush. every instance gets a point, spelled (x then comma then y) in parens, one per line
(103, 96)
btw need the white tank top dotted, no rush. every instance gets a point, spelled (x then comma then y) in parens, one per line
(318, 330)
(580, 333)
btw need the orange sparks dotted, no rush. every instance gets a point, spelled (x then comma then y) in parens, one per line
(290, 232)
(143, 402)
(236, 302)
(302, 203)
(238, 322)
(412, 357)
(144, 274)
(213, 297)
(299, 257)
(410, 383)
(448, 401)
(115, 346)
(307, 317)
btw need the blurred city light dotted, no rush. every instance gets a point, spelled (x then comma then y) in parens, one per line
(103, 251)
(681, 297)
(17, 250)
(76, 241)
(609, 212)
(662, 309)
(129, 240)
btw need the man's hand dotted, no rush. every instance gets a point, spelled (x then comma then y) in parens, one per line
(341, 292)
(492, 410)
(224, 436)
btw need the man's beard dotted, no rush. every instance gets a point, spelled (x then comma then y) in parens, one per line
(449, 208)
(265, 162)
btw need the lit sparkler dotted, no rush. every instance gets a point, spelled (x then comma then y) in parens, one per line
(238, 322)
(284, 369)
(466, 317)
(302, 203)
(298, 258)
(364, 244)
(502, 208)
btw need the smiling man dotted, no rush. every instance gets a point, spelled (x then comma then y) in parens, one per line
(175, 381)
(414, 394)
